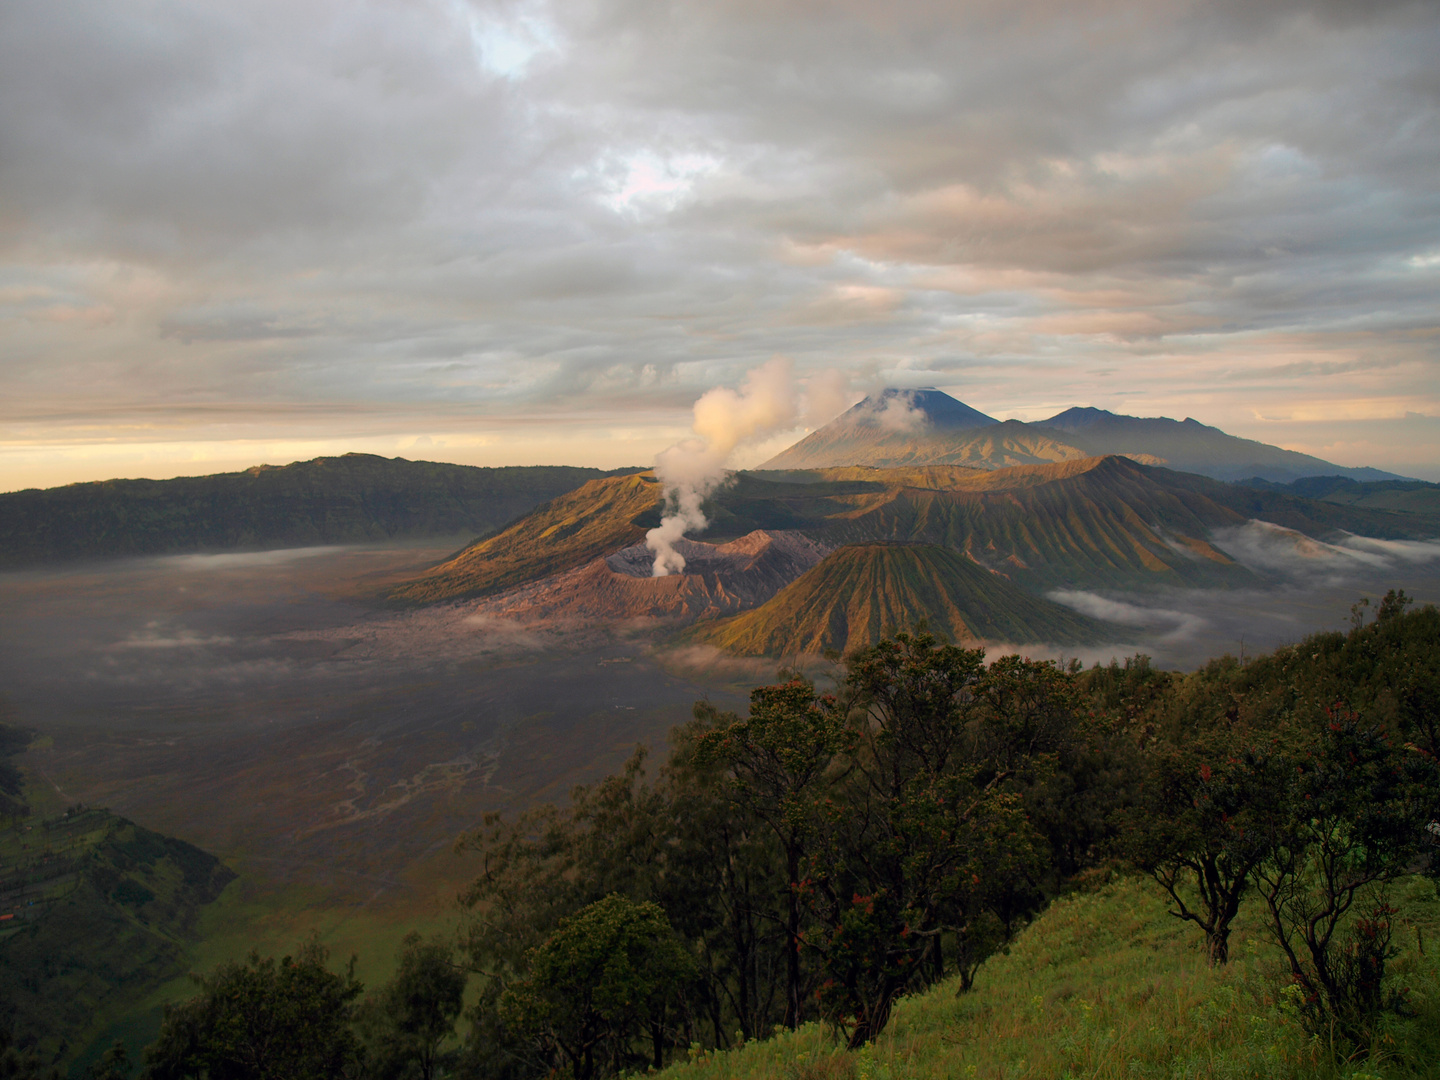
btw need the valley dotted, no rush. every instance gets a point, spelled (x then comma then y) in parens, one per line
(326, 720)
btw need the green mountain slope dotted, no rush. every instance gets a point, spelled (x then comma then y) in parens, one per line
(95, 912)
(341, 500)
(1107, 985)
(859, 594)
(596, 519)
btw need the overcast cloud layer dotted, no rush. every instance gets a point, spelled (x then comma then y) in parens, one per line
(505, 233)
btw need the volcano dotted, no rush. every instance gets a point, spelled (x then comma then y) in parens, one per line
(899, 428)
(718, 579)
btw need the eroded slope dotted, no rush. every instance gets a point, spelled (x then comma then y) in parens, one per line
(863, 592)
(594, 520)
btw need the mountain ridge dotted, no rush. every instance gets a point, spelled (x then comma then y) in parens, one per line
(1079, 432)
(861, 592)
(596, 519)
(353, 498)
(1085, 522)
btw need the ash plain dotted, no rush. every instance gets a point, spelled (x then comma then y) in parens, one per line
(267, 708)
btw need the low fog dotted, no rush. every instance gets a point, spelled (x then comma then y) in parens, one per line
(1302, 586)
(267, 708)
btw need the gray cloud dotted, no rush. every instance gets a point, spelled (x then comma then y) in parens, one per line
(607, 207)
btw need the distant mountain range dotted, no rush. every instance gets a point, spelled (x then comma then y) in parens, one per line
(930, 510)
(1401, 496)
(929, 427)
(356, 498)
(971, 551)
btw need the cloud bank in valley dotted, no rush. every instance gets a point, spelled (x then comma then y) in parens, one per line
(1274, 551)
(508, 231)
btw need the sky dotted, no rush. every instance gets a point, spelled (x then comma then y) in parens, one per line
(536, 232)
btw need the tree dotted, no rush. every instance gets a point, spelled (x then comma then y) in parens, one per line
(20, 1064)
(723, 884)
(114, 1064)
(1351, 819)
(262, 1020)
(1198, 825)
(406, 1022)
(682, 842)
(927, 830)
(778, 757)
(609, 977)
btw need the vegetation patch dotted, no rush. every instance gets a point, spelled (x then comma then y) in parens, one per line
(1106, 984)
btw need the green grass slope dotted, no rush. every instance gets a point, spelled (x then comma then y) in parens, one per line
(859, 594)
(351, 499)
(596, 519)
(95, 912)
(1107, 986)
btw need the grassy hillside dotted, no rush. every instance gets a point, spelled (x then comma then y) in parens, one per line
(350, 499)
(598, 518)
(1106, 985)
(859, 594)
(95, 912)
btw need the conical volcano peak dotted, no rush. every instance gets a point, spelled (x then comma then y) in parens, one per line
(895, 409)
(898, 427)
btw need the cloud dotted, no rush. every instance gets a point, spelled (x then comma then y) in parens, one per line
(242, 560)
(1272, 549)
(894, 412)
(154, 637)
(1391, 552)
(492, 205)
(1166, 625)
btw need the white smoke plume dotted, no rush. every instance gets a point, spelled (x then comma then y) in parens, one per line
(690, 470)
(827, 395)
